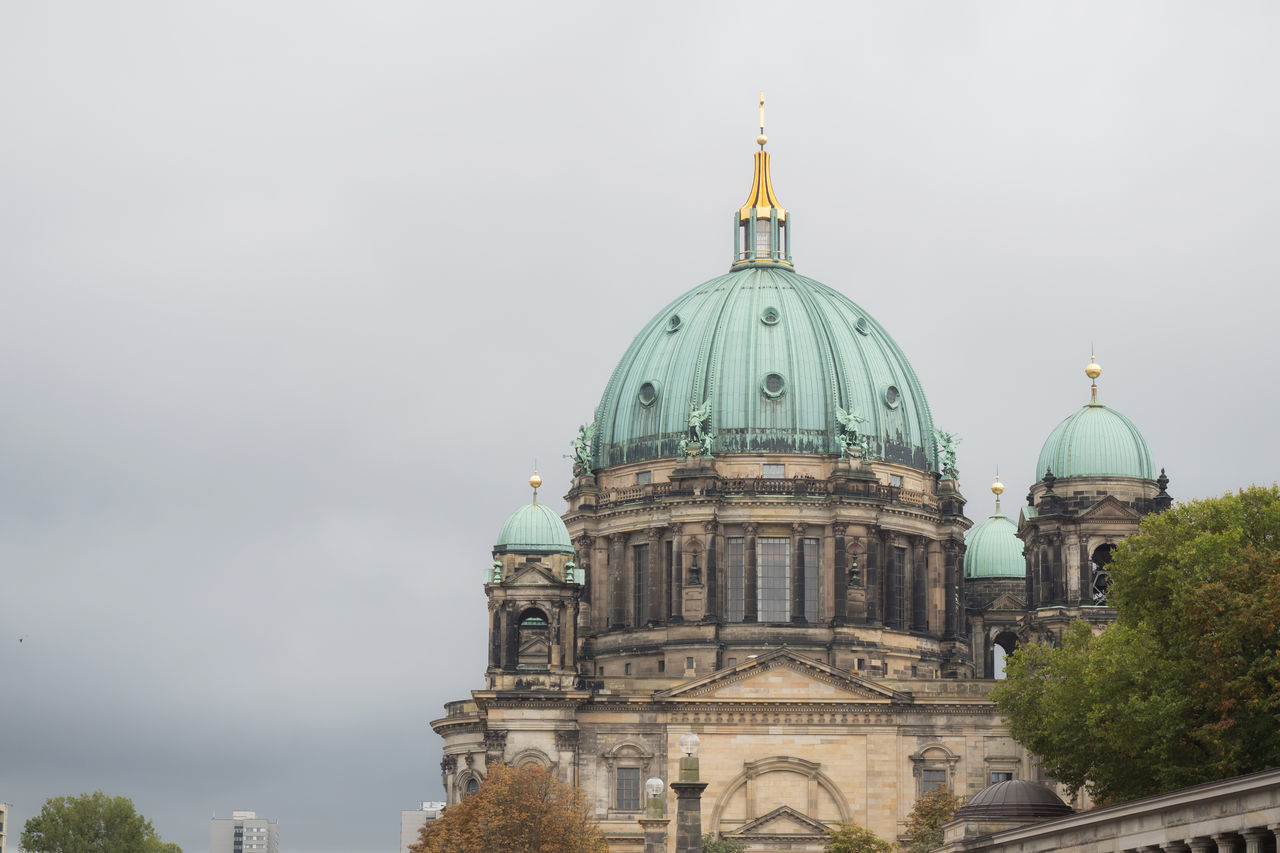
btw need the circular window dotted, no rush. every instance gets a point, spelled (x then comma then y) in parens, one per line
(673, 323)
(891, 396)
(861, 326)
(648, 393)
(773, 385)
(770, 316)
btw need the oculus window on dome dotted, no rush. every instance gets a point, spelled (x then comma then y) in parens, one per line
(673, 323)
(648, 394)
(770, 316)
(773, 385)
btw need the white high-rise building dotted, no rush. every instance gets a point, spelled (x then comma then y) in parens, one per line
(243, 832)
(413, 821)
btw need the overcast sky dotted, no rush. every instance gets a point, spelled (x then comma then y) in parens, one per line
(295, 294)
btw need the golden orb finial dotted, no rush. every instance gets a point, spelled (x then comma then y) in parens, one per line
(1093, 370)
(535, 480)
(997, 488)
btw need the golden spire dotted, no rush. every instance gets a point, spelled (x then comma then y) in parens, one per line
(762, 198)
(997, 489)
(1093, 370)
(535, 481)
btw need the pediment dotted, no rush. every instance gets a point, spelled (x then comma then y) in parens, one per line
(784, 821)
(532, 575)
(781, 676)
(1110, 509)
(1005, 601)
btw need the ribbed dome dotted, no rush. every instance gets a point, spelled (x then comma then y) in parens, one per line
(534, 529)
(1096, 442)
(992, 549)
(1014, 799)
(775, 353)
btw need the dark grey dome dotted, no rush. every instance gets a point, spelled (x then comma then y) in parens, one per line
(1014, 800)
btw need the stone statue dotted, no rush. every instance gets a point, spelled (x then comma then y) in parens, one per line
(852, 443)
(582, 448)
(947, 453)
(699, 434)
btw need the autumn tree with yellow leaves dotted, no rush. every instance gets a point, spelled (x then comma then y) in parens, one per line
(515, 810)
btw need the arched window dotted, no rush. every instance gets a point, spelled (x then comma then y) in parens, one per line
(1003, 645)
(473, 785)
(535, 641)
(1101, 574)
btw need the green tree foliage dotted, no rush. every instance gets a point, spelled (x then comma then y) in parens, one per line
(516, 810)
(712, 844)
(92, 823)
(1185, 686)
(851, 838)
(924, 824)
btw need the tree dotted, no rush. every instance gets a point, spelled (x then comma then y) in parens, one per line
(851, 838)
(1185, 686)
(515, 810)
(712, 844)
(92, 823)
(924, 824)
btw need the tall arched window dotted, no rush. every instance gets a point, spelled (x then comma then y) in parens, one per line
(1101, 574)
(535, 641)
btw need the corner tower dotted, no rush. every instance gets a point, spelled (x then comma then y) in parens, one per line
(533, 591)
(1095, 481)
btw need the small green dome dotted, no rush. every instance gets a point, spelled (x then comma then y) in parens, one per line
(534, 529)
(1096, 442)
(992, 549)
(775, 354)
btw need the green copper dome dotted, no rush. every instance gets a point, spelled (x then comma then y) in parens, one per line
(992, 549)
(534, 529)
(1096, 442)
(775, 354)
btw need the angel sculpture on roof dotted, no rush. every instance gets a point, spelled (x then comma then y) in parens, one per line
(699, 433)
(947, 453)
(582, 447)
(852, 443)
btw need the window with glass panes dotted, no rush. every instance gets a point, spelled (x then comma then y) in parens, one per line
(628, 789)
(734, 594)
(811, 580)
(932, 779)
(773, 578)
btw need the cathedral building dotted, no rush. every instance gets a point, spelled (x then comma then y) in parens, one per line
(766, 544)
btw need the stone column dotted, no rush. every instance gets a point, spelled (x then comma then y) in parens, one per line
(688, 807)
(919, 586)
(1255, 839)
(950, 589)
(797, 573)
(841, 596)
(617, 581)
(655, 834)
(657, 577)
(677, 574)
(711, 571)
(750, 604)
(1226, 841)
(1202, 844)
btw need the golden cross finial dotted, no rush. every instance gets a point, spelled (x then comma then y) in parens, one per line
(762, 139)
